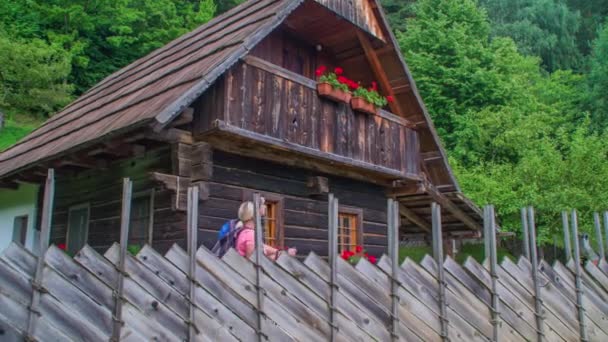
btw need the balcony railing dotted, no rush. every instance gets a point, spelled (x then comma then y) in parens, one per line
(271, 101)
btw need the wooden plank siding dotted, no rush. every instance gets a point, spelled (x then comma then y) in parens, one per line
(230, 180)
(270, 100)
(305, 217)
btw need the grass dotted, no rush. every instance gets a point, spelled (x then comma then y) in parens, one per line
(473, 250)
(12, 132)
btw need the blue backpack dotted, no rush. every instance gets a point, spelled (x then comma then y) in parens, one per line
(226, 238)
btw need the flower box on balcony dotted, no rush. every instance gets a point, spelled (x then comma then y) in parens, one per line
(326, 90)
(359, 104)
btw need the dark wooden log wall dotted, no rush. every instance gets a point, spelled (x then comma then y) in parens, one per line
(102, 190)
(305, 216)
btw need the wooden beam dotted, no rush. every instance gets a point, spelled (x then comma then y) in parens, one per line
(451, 207)
(172, 135)
(317, 185)
(414, 218)
(430, 156)
(374, 62)
(184, 118)
(240, 141)
(409, 189)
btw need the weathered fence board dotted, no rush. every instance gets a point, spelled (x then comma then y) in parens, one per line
(549, 313)
(77, 298)
(478, 281)
(203, 299)
(359, 314)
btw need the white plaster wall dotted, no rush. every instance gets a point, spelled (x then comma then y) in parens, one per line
(18, 203)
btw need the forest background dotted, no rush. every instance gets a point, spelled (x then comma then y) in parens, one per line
(518, 89)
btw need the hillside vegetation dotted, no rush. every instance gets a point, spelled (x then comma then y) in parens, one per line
(518, 89)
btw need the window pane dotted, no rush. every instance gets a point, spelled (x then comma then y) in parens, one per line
(347, 232)
(77, 229)
(270, 224)
(140, 220)
(20, 229)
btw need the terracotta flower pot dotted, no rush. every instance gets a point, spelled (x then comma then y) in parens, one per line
(327, 91)
(359, 104)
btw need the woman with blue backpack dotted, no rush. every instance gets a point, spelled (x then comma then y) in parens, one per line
(240, 234)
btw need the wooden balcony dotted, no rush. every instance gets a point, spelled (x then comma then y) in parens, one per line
(266, 111)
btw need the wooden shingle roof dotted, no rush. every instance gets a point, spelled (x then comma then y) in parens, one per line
(156, 87)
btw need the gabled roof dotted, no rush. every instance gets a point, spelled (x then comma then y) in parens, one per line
(157, 87)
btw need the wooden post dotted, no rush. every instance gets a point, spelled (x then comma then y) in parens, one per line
(486, 234)
(125, 218)
(493, 260)
(526, 236)
(333, 262)
(598, 235)
(578, 278)
(45, 232)
(259, 248)
(192, 246)
(438, 255)
(566, 227)
(538, 303)
(393, 252)
(606, 229)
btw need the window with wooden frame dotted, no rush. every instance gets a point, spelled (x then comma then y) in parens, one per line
(273, 221)
(78, 227)
(350, 222)
(142, 218)
(20, 229)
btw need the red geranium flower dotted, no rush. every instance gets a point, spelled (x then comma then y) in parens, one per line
(374, 85)
(390, 99)
(343, 80)
(320, 70)
(339, 71)
(61, 246)
(359, 249)
(353, 85)
(372, 259)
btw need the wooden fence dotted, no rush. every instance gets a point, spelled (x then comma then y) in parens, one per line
(193, 295)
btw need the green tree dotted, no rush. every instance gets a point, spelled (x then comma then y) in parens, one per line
(33, 76)
(544, 28)
(515, 134)
(593, 14)
(398, 11)
(598, 81)
(103, 35)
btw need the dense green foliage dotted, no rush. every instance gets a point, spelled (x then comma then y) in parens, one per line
(522, 124)
(54, 50)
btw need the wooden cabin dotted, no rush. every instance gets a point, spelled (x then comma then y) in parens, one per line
(232, 108)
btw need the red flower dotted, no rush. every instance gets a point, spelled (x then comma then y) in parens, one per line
(62, 246)
(390, 99)
(359, 249)
(353, 85)
(366, 255)
(320, 70)
(374, 85)
(343, 80)
(372, 259)
(339, 71)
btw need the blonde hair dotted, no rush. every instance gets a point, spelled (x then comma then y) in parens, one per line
(246, 211)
